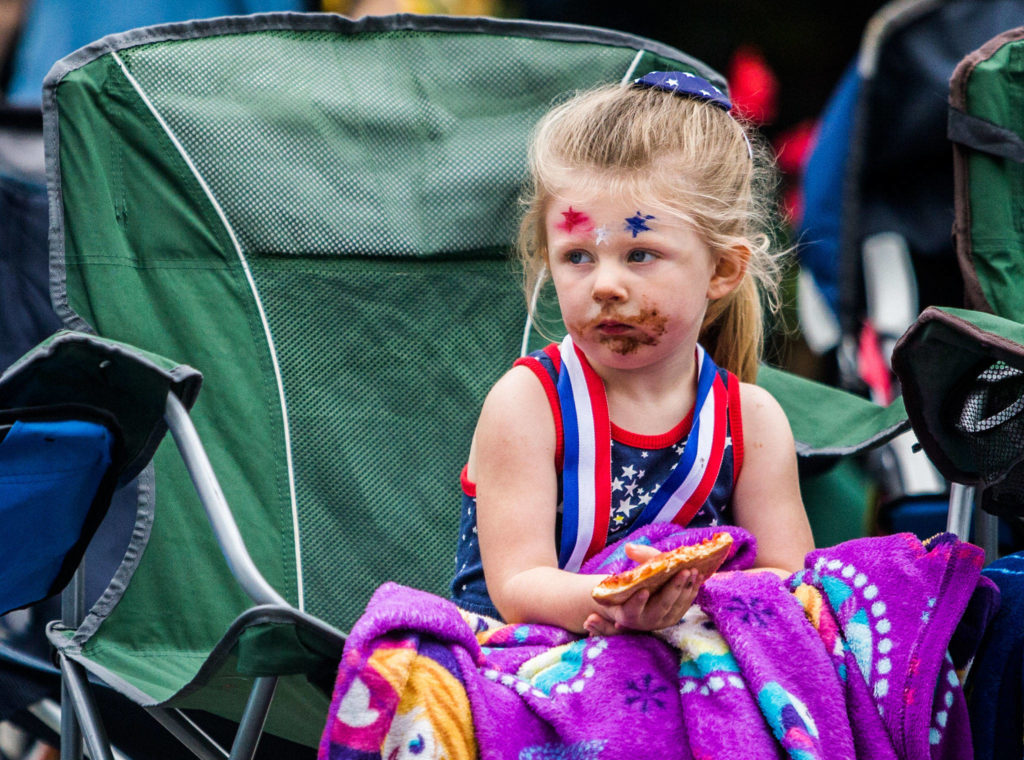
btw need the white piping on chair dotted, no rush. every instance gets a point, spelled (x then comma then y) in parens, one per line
(259, 306)
(632, 67)
(531, 311)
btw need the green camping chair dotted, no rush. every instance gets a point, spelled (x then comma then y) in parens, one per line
(963, 369)
(316, 214)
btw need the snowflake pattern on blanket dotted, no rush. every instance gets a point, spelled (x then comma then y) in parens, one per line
(849, 658)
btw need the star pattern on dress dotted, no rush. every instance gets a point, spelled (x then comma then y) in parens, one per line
(636, 479)
(633, 496)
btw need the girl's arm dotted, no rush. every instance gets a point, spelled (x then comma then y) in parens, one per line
(512, 462)
(766, 500)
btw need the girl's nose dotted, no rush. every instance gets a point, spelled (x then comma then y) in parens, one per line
(608, 284)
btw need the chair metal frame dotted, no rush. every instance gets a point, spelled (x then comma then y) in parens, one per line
(82, 726)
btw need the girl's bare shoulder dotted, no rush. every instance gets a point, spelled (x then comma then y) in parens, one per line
(516, 417)
(764, 420)
(516, 393)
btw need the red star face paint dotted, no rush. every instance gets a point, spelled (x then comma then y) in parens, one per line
(573, 219)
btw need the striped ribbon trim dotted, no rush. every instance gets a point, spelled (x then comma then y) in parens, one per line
(689, 485)
(586, 459)
(586, 469)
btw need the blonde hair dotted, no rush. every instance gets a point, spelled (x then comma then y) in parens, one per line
(686, 158)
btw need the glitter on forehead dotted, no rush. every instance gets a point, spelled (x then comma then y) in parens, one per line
(601, 234)
(573, 219)
(638, 223)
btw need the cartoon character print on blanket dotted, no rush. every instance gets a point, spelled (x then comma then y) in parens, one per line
(404, 702)
(849, 658)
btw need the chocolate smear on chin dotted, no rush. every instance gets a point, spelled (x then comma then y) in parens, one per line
(649, 324)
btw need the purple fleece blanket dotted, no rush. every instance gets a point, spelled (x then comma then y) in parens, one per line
(849, 658)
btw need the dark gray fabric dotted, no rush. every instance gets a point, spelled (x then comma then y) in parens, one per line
(985, 136)
(26, 316)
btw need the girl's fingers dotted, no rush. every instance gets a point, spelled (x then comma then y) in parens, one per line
(677, 597)
(633, 607)
(640, 553)
(686, 599)
(595, 625)
(644, 611)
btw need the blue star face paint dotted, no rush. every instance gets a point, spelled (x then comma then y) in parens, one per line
(638, 223)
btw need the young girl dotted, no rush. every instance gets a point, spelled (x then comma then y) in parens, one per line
(644, 217)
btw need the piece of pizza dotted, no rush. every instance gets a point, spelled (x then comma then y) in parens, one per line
(706, 557)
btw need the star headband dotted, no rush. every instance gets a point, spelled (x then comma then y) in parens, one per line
(687, 85)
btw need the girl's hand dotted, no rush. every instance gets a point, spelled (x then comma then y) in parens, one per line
(644, 611)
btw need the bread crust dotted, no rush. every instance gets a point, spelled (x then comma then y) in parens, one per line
(705, 557)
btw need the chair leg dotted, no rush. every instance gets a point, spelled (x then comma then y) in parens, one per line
(88, 725)
(48, 712)
(986, 533)
(251, 727)
(70, 733)
(961, 504)
(72, 612)
(197, 741)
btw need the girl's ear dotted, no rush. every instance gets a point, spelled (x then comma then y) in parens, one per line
(730, 267)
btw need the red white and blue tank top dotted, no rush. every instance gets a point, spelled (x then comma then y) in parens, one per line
(614, 481)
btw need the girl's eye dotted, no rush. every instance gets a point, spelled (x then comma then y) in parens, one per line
(577, 257)
(640, 256)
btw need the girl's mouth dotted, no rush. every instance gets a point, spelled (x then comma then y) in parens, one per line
(626, 337)
(614, 328)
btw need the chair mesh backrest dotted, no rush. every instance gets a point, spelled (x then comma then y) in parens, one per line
(991, 420)
(349, 190)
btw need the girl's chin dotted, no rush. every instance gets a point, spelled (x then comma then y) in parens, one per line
(620, 351)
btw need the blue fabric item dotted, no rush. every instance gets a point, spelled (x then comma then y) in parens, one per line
(686, 85)
(822, 189)
(49, 475)
(55, 28)
(996, 681)
(26, 316)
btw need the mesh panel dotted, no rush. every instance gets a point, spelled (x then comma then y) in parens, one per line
(372, 182)
(992, 423)
(382, 399)
(359, 144)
